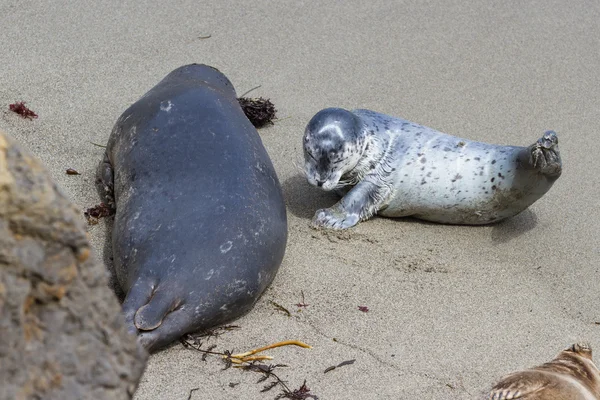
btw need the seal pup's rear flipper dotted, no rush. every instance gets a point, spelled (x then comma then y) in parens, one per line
(545, 156)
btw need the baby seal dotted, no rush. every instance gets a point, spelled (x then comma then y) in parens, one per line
(572, 375)
(200, 227)
(395, 168)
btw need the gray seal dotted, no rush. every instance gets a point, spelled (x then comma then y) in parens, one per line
(200, 228)
(395, 168)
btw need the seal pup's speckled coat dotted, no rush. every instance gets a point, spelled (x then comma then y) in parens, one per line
(396, 168)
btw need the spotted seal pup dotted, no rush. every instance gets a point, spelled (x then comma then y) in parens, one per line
(200, 227)
(395, 168)
(571, 375)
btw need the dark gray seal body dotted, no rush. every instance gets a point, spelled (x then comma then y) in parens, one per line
(200, 227)
(396, 168)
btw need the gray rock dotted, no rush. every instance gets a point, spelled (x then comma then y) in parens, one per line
(62, 331)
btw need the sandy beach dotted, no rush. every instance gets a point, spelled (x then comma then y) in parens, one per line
(451, 308)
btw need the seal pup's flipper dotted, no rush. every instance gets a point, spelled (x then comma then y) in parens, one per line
(545, 156)
(359, 204)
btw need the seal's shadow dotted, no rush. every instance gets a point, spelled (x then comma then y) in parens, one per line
(303, 200)
(511, 228)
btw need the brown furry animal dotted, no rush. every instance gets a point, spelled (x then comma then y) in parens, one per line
(572, 375)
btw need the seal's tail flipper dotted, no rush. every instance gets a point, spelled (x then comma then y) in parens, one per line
(174, 325)
(545, 156)
(138, 296)
(151, 315)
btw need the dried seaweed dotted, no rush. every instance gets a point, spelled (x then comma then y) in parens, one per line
(281, 308)
(214, 332)
(302, 303)
(349, 362)
(192, 391)
(248, 362)
(20, 108)
(259, 111)
(302, 393)
(101, 210)
(71, 171)
(363, 308)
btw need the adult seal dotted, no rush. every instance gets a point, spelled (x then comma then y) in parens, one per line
(200, 228)
(395, 168)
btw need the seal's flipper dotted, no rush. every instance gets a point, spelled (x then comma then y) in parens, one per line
(545, 156)
(174, 325)
(151, 315)
(360, 203)
(137, 297)
(104, 181)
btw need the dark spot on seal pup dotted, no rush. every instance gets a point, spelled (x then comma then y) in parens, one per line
(372, 191)
(201, 231)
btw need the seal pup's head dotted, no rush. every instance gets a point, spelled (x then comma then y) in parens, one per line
(333, 144)
(570, 375)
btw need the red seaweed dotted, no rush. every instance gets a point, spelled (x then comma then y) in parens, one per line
(93, 214)
(20, 108)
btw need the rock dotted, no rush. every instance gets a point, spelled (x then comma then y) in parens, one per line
(62, 331)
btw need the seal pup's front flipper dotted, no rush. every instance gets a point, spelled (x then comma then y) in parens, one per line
(359, 204)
